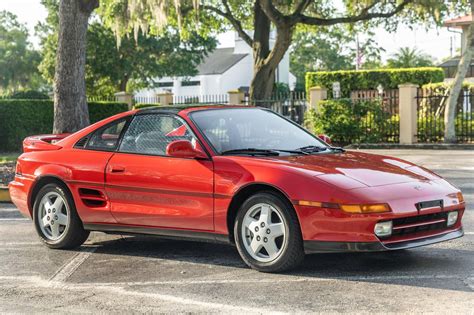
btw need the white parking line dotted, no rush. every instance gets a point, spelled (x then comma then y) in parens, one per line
(63, 273)
(32, 281)
(14, 219)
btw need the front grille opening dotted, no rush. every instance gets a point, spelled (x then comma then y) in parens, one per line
(410, 226)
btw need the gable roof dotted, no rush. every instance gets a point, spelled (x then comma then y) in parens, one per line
(219, 61)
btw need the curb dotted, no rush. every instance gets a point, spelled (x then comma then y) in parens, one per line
(421, 146)
(4, 194)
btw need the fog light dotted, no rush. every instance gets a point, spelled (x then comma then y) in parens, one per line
(452, 218)
(383, 229)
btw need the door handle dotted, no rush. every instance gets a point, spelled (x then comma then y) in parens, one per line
(117, 169)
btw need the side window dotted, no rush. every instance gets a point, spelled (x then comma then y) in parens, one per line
(107, 138)
(151, 134)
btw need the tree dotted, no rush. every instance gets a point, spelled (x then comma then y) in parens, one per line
(18, 61)
(283, 17)
(110, 69)
(70, 104)
(329, 49)
(407, 57)
(456, 86)
(263, 16)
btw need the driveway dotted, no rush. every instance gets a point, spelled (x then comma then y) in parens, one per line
(146, 274)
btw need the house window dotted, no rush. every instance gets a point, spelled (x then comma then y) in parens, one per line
(190, 83)
(165, 84)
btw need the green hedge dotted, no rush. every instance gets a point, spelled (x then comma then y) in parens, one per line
(145, 105)
(22, 118)
(28, 95)
(370, 79)
(441, 88)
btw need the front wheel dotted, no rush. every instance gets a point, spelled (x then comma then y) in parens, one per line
(267, 234)
(56, 220)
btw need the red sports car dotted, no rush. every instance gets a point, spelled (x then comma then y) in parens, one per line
(233, 174)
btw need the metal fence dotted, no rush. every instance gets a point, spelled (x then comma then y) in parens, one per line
(431, 108)
(379, 124)
(291, 105)
(201, 99)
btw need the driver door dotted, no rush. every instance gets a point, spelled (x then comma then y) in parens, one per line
(148, 188)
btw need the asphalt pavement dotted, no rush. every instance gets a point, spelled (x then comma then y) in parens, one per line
(147, 274)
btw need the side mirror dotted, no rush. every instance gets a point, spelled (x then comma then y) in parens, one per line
(325, 138)
(184, 149)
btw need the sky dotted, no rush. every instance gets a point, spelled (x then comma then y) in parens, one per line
(435, 42)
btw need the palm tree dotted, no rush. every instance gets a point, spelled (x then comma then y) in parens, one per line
(407, 57)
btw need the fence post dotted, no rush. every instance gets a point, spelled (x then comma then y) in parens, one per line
(236, 97)
(165, 98)
(124, 97)
(316, 94)
(407, 106)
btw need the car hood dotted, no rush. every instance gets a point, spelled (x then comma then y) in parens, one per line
(350, 170)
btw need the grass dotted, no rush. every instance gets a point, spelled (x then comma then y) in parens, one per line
(8, 157)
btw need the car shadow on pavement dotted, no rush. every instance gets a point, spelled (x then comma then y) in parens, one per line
(430, 267)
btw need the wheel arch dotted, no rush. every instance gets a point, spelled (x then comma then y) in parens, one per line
(243, 194)
(40, 183)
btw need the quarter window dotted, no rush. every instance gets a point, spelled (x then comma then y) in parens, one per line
(107, 138)
(151, 134)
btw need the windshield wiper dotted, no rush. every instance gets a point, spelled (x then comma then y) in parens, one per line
(312, 148)
(251, 151)
(297, 151)
(337, 149)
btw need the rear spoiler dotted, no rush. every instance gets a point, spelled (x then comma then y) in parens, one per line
(43, 142)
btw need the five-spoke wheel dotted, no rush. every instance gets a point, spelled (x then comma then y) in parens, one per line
(263, 232)
(53, 212)
(267, 233)
(56, 219)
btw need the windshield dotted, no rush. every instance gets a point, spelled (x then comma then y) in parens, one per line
(251, 128)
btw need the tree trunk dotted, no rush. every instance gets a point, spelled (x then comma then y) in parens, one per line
(70, 103)
(266, 60)
(123, 83)
(456, 87)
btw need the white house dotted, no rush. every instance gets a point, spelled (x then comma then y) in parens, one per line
(223, 70)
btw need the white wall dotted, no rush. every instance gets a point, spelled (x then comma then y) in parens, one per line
(238, 75)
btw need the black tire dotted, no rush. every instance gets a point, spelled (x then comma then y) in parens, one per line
(292, 253)
(74, 235)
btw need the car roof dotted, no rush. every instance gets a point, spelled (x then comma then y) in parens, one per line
(187, 108)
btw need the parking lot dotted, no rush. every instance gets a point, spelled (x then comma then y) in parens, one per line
(146, 274)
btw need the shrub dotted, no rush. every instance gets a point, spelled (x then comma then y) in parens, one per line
(144, 105)
(22, 118)
(29, 95)
(337, 119)
(347, 122)
(369, 79)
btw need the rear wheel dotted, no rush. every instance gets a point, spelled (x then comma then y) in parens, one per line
(267, 234)
(56, 220)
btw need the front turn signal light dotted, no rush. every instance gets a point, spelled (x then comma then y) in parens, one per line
(367, 208)
(460, 197)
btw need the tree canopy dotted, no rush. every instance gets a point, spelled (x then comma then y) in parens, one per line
(135, 63)
(407, 57)
(328, 49)
(263, 17)
(18, 60)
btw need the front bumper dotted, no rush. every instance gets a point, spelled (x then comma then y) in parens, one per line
(312, 247)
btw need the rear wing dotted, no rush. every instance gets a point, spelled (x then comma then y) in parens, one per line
(43, 142)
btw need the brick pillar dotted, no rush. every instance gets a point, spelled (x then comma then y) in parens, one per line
(407, 106)
(316, 94)
(124, 97)
(165, 98)
(236, 97)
